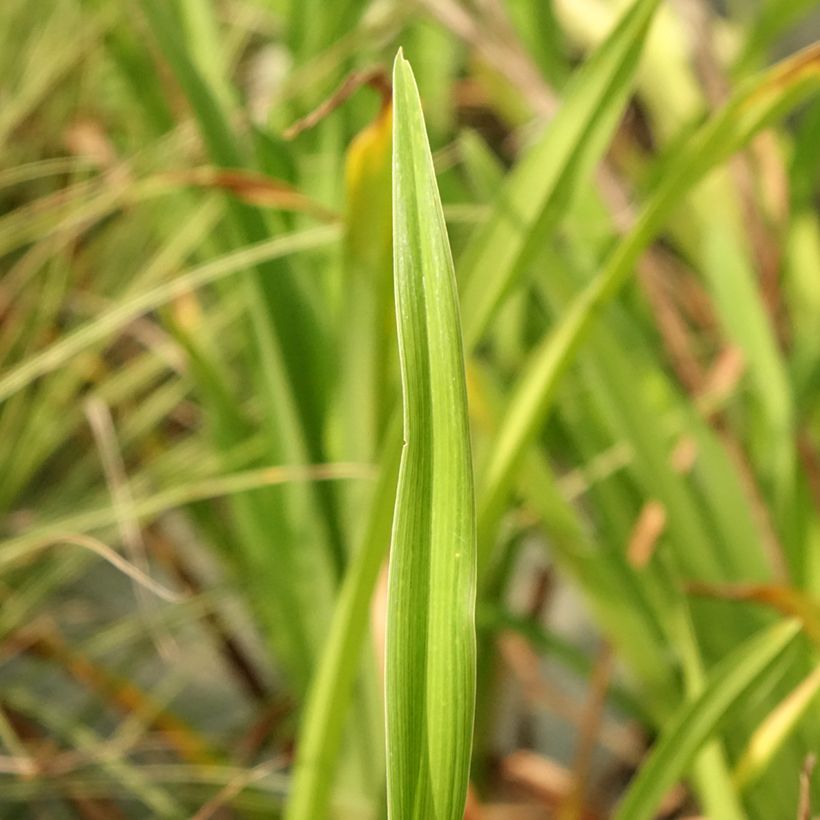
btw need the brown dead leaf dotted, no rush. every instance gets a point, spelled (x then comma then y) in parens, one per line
(645, 533)
(786, 600)
(254, 189)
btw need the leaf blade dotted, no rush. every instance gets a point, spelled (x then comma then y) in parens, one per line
(430, 674)
(752, 108)
(696, 720)
(535, 194)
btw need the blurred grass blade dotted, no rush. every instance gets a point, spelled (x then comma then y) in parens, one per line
(328, 704)
(365, 353)
(772, 734)
(283, 318)
(430, 666)
(696, 721)
(538, 190)
(771, 94)
(62, 724)
(119, 316)
(148, 508)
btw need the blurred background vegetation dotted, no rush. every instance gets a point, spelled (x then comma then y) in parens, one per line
(199, 389)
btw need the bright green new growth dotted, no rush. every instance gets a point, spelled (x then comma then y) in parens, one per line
(430, 667)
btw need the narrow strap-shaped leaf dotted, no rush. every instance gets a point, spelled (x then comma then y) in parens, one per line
(696, 721)
(328, 703)
(536, 193)
(430, 674)
(754, 106)
(117, 317)
(770, 737)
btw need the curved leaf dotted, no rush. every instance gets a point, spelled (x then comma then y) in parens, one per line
(697, 720)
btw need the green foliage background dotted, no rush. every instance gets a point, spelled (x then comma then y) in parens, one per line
(200, 407)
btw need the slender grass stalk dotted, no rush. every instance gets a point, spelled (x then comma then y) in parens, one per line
(775, 730)
(326, 709)
(119, 316)
(755, 106)
(537, 192)
(696, 721)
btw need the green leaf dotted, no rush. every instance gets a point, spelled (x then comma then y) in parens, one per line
(328, 703)
(697, 720)
(537, 191)
(430, 666)
(753, 107)
(779, 725)
(118, 317)
(364, 354)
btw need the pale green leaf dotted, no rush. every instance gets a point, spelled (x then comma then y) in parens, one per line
(754, 106)
(430, 666)
(537, 191)
(778, 726)
(698, 720)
